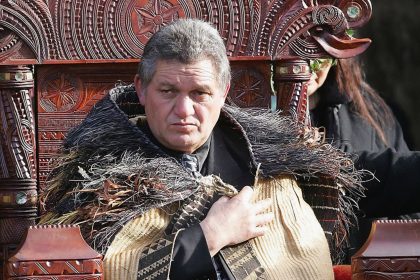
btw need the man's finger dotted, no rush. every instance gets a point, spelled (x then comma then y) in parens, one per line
(262, 205)
(223, 199)
(260, 231)
(264, 219)
(245, 194)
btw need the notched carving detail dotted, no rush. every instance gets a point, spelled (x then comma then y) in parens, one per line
(59, 94)
(290, 78)
(18, 141)
(32, 21)
(357, 12)
(302, 21)
(306, 47)
(99, 29)
(330, 16)
(249, 89)
(9, 45)
(151, 17)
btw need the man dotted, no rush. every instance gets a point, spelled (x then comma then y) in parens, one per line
(169, 195)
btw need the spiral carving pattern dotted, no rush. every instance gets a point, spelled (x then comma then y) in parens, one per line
(331, 16)
(357, 12)
(111, 29)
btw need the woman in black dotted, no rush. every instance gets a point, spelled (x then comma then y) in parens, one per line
(357, 120)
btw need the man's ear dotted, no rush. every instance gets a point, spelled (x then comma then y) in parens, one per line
(227, 89)
(226, 92)
(140, 91)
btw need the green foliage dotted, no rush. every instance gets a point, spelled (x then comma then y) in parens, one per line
(350, 32)
(318, 64)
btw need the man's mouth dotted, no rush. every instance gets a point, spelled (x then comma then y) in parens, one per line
(183, 124)
(184, 127)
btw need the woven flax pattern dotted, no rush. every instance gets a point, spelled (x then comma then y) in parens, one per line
(243, 262)
(295, 247)
(323, 197)
(192, 211)
(121, 259)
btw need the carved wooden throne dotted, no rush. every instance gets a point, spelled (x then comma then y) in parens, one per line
(58, 57)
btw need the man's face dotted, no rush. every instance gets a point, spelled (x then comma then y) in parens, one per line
(182, 103)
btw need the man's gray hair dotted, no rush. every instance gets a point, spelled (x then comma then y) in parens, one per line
(186, 41)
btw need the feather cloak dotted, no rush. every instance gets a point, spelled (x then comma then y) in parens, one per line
(110, 172)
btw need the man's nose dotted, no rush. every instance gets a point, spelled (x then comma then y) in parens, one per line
(184, 106)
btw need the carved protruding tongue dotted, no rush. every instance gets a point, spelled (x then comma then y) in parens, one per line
(341, 48)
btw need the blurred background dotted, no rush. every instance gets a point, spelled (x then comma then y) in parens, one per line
(392, 62)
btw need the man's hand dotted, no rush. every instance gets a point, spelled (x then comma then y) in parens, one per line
(234, 220)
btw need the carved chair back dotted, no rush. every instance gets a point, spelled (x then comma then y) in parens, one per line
(59, 57)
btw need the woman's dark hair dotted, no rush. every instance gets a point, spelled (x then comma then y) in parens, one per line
(365, 100)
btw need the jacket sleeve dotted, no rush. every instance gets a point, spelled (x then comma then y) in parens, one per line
(397, 188)
(395, 137)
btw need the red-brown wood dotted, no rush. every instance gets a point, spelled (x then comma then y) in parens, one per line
(78, 49)
(18, 163)
(392, 251)
(54, 252)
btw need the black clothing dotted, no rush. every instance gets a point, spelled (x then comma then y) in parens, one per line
(396, 189)
(199, 156)
(229, 159)
(226, 155)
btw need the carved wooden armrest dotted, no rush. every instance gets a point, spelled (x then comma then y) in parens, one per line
(54, 252)
(392, 251)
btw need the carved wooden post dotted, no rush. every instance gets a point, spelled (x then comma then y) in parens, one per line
(18, 176)
(290, 77)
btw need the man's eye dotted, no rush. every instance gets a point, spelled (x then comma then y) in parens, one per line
(167, 92)
(202, 95)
